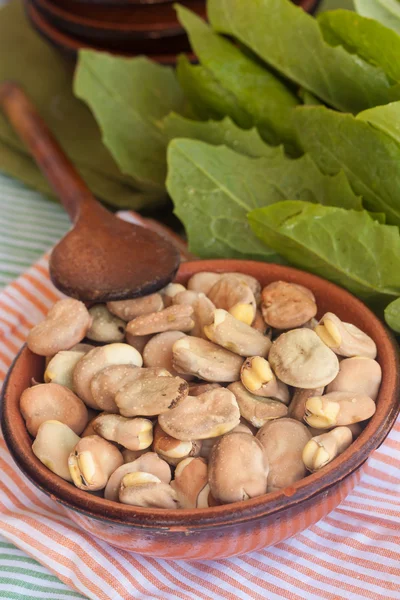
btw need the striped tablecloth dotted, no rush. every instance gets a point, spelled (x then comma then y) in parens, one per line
(353, 553)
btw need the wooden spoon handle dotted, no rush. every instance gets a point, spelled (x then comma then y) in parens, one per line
(63, 177)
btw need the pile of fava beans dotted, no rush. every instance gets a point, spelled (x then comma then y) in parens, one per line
(199, 396)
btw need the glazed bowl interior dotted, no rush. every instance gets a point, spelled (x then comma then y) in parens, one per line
(329, 298)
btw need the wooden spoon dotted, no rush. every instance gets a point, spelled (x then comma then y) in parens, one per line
(102, 258)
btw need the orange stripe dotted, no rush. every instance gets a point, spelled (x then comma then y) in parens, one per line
(376, 509)
(375, 488)
(373, 535)
(49, 551)
(208, 569)
(170, 576)
(282, 574)
(29, 296)
(57, 538)
(366, 563)
(361, 494)
(43, 270)
(14, 475)
(267, 585)
(208, 585)
(387, 460)
(370, 533)
(390, 443)
(381, 475)
(16, 313)
(44, 289)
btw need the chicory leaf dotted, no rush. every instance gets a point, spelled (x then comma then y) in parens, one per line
(384, 11)
(369, 157)
(386, 118)
(375, 43)
(129, 97)
(213, 188)
(208, 98)
(345, 246)
(218, 133)
(392, 315)
(290, 40)
(267, 101)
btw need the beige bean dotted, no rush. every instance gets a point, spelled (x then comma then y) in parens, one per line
(260, 325)
(322, 449)
(132, 455)
(138, 341)
(359, 375)
(92, 462)
(106, 327)
(150, 395)
(203, 282)
(203, 359)
(203, 310)
(147, 463)
(338, 408)
(195, 418)
(257, 377)
(255, 409)
(170, 291)
(191, 483)
(130, 309)
(60, 368)
(146, 490)
(345, 339)
(105, 384)
(52, 402)
(297, 407)
(287, 305)
(300, 359)
(82, 347)
(65, 325)
(236, 336)
(173, 318)
(89, 427)
(234, 295)
(238, 468)
(53, 444)
(195, 389)
(98, 359)
(283, 441)
(243, 427)
(133, 434)
(171, 449)
(158, 351)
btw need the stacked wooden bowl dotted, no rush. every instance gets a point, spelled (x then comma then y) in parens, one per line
(127, 27)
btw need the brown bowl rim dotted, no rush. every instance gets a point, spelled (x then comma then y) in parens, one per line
(69, 44)
(89, 26)
(273, 503)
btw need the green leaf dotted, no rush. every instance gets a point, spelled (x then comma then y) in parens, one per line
(290, 40)
(129, 97)
(369, 157)
(309, 99)
(267, 101)
(385, 118)
(392, 315)
(375, 43)
(217, 133)
(213, 189)
(209, 99)
(384, 11)
(347, 247)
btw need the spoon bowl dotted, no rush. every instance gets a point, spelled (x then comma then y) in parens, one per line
(102, 258)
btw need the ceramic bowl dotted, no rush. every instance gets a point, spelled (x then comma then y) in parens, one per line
(232, 529)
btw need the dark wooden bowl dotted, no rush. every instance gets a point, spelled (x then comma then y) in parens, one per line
(232, 529)
(141, 16)
(70, 45)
